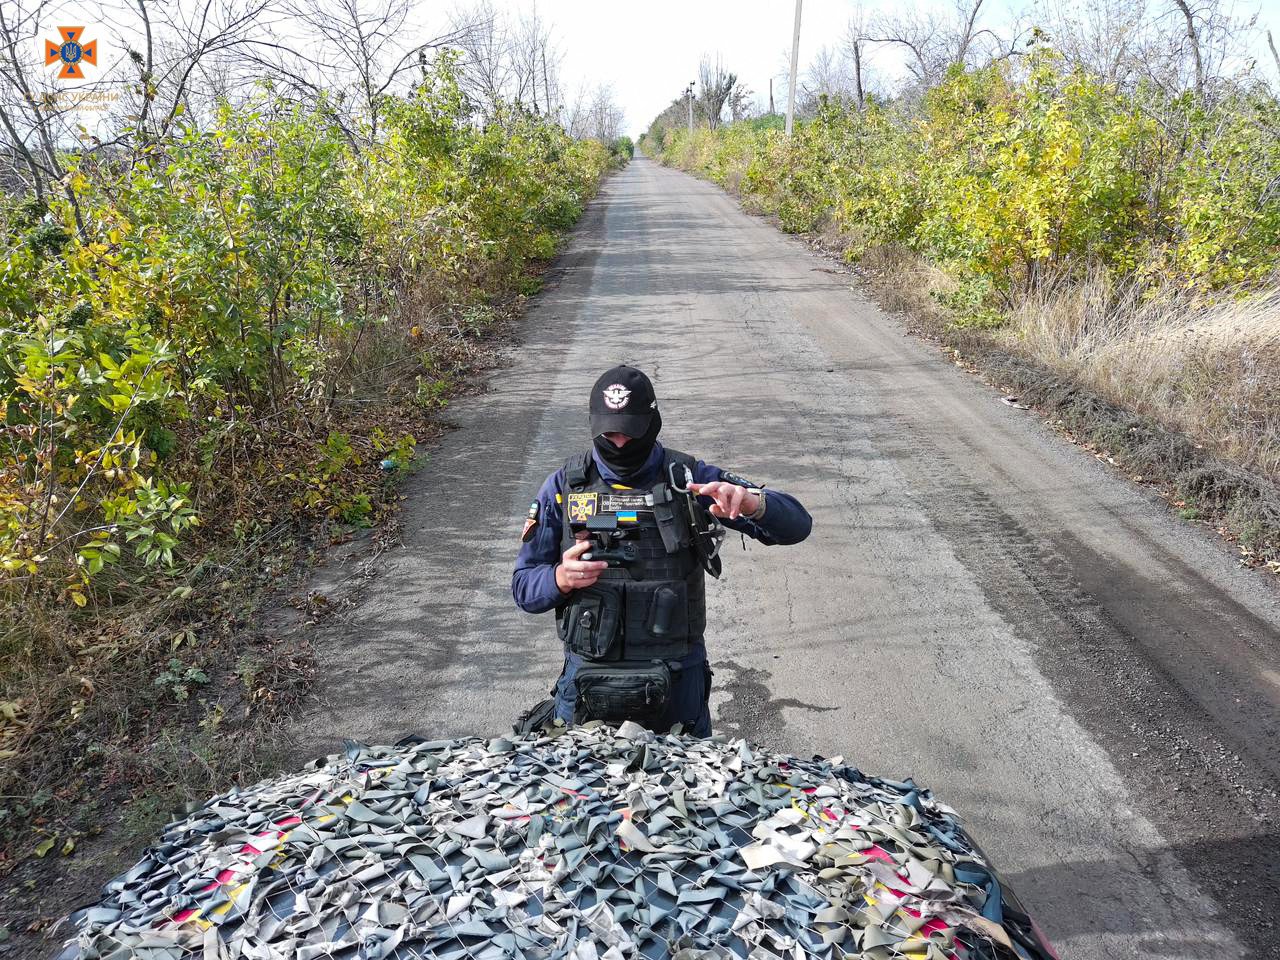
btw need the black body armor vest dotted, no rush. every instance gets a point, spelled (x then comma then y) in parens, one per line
(651, 606)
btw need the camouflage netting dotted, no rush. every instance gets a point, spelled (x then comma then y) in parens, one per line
(591, 842)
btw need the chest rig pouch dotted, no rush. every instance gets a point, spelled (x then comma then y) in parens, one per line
(591, 624)
(648, 608)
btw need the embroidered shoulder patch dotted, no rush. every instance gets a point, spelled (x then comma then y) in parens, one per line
(530, 523)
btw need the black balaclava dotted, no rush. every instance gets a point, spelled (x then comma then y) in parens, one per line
(626, 461)
(622, 401)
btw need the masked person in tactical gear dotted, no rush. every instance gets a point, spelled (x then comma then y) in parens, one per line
(618, 543)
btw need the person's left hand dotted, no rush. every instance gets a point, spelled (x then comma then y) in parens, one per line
(731, 500)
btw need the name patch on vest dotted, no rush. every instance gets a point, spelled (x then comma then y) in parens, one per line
(622, 502)
(583, 506)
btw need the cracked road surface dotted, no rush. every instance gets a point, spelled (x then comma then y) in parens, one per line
(1090, 682)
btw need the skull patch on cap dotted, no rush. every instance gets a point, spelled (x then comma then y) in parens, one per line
(616, 396)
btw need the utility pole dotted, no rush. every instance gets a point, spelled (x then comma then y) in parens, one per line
(795, 57)
(688, 91)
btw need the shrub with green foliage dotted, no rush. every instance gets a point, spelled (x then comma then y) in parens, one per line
(1010, 179)
(190, 348)
(623, 149)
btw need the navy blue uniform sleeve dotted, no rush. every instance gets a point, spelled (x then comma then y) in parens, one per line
(785, 521)
(533, 583)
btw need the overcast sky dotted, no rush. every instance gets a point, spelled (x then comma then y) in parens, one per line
(647, 52)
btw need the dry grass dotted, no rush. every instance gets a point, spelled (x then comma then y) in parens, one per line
(1208, 370)
(902, 279)
(1185, 393)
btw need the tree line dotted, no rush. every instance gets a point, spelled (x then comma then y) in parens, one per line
(1208, 48)
(229, 309)
(350, 55)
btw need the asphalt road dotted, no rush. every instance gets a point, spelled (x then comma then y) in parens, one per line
(1092, 683)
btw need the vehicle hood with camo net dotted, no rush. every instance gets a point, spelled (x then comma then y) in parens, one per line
(583, 843)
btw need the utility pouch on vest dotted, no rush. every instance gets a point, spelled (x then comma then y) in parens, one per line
(668, 519)
(590, 623)
(657, 610)
(606, 692)
(666, 611)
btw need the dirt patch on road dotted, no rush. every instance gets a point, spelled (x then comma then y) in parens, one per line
(1133, 674)
(1241, 506)
(752, 711)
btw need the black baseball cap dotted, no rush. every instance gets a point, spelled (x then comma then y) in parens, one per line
(622, 401)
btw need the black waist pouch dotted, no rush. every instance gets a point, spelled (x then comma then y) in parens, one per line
(616, 692)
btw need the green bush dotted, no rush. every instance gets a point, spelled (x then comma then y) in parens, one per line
(179, 354)
(623, 148)
(1013, 179)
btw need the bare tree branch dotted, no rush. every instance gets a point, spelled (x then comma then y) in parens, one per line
(855, 39)
(38, 173)
(742, 102)
(595, 116)
(936, 45)
(717, 84)
(1193, 39)
(510, 62)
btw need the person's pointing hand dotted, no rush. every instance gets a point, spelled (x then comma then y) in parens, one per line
(731, 500)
